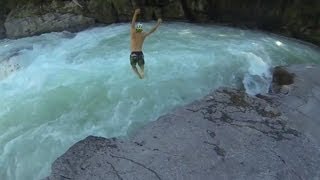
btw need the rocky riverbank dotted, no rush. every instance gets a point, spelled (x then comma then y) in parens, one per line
(225, 135)
(299, 19)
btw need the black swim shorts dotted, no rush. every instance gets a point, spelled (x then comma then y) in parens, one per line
(136, 57)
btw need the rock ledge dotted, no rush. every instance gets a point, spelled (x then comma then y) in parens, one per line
(225, 135)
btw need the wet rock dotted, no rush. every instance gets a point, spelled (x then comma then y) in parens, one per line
(197, 10)
(174, 10)
(2, 29)
(281, 80)
(151, 13)
(226, 135)
(282, 77)
(102, 11)
(124, 9)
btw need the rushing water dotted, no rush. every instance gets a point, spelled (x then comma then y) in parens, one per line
(58, 88)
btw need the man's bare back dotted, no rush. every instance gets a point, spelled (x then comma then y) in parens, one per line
(137, 39)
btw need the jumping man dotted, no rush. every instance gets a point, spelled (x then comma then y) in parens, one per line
(137, 39)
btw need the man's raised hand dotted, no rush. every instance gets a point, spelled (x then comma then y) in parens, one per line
(137, 11)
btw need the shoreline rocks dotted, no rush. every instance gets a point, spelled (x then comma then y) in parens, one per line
(50, 22)
(34, 19)
(225, 135)
(297, 19)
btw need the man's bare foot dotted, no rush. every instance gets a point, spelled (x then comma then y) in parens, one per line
(142, 75)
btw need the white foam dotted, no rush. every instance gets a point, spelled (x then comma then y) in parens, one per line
(279, 43)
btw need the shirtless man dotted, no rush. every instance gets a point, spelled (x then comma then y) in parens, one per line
(137, 39)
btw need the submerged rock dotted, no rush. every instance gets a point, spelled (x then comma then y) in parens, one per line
(226, 135)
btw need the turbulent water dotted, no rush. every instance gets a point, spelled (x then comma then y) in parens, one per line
(58, 88)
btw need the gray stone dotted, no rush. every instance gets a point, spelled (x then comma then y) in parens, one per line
(303, 101)
(28, 26)
(225, 135)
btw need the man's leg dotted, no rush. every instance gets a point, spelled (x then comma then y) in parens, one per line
(134, 68)
(133, 62)
(142, 71)
(141, 65)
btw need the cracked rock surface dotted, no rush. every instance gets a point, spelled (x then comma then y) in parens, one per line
(225, 135)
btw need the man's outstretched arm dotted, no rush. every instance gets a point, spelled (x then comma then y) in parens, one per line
(134, 18)
(154, 28)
